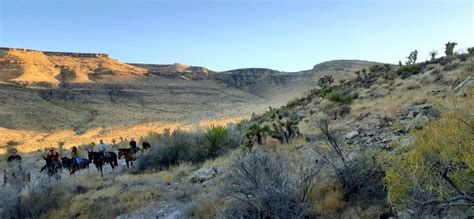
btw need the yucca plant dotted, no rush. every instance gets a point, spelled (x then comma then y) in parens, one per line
(217, 136)
(259, 131)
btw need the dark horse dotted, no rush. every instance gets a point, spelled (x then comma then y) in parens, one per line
(53, 168)
(68, 164)
(146, 145)
(128, 155)
(99, 161)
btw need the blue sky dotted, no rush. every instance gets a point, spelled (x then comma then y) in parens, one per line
(285, 35)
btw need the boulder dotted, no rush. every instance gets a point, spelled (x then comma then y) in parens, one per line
(462, 88)
(351, 135)
(423, 109)
(205, 174)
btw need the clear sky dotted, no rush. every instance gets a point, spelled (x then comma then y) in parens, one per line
(285, 35)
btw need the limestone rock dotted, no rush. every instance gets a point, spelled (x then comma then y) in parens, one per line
(351, 135)
(462, 88)
(205, 174)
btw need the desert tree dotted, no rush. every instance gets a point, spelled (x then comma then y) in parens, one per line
(257, 132)
(283, 129)
(411, 59)
(325, 81)
(433, 54)
(449, 49)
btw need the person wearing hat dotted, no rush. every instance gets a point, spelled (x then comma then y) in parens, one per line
(14, 157)
(52, 158)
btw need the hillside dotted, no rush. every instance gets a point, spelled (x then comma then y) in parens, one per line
(49, 97)
(370, 146)
(31, 67)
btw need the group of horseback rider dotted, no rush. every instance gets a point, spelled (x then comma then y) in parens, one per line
(53, 156)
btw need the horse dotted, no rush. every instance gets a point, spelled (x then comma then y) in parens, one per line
(146, 145)
(128, 156)
(53, 168)
(97, 159)
(68, 164)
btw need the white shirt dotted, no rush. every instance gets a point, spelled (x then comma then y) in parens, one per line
(103, 147)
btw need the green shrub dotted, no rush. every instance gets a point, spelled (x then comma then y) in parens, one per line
(470, 50)
(217, 136)
(172, 148)
(389, 76)
(339, 97)
(408, 70)
(437, 168)
(377, 68)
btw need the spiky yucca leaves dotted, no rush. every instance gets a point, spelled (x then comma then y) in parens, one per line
(217, 136)
(258, 132)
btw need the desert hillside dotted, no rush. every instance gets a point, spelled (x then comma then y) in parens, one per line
(50, 97)
(371, 145)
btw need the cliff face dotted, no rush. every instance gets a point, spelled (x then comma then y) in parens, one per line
(36, 67)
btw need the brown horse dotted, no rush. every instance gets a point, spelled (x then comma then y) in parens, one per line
(128, 156)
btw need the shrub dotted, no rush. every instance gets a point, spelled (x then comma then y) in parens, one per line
(408, 70)
(463, 57)
(362, 179)
(389, 76)
(446, 60)
(9, 205)
(437, 168)
(377, 68)
(171, 148)
(269, 185)
(339, 97)
(296, 102)
(337, 111)
(217, 136)
(470, 50)
(450, 67)
(42, 199)
(325, 81)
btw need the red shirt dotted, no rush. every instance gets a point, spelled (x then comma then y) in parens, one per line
(54, 156)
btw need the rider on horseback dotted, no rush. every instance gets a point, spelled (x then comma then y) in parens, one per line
(133, 146)
(14, 158)
(103, 149)
(52, 158)
(76, 160)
